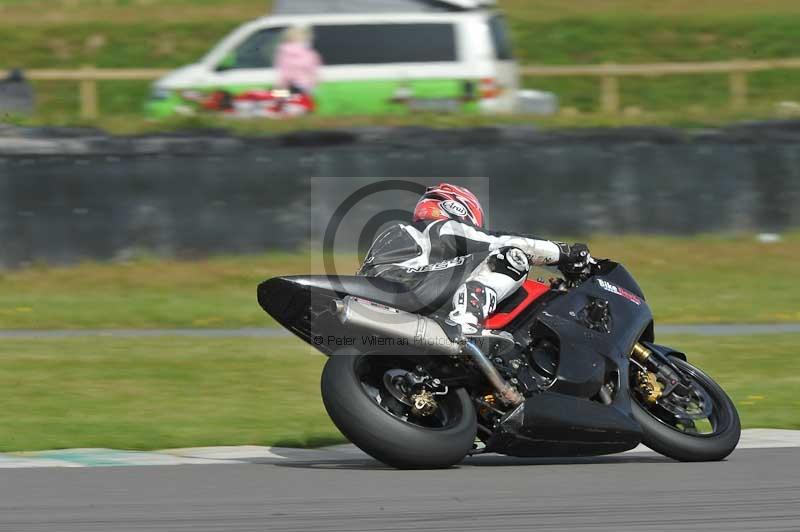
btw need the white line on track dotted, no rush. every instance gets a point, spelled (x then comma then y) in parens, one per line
(751, 439)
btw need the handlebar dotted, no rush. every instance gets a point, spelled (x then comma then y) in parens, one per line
(575, 277)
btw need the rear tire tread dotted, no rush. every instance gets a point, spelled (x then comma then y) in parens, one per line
(384, 437)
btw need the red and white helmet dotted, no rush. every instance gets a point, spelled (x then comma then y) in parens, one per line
(449, 202)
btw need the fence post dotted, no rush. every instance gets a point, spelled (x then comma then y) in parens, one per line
(738, 88)
(609, 95)
(89, 107)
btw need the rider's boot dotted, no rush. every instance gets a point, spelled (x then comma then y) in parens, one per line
(472, 303)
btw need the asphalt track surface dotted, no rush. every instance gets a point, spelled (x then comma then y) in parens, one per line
(755, 489)
(700, 330)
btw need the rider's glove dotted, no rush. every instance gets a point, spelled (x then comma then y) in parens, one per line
(579, 255)
(575, 259)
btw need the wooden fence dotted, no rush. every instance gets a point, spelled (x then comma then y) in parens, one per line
(87, 77)
(608, 75)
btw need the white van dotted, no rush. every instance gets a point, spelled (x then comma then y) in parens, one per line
(446, 56)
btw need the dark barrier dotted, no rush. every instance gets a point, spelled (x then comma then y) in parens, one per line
(68, 195)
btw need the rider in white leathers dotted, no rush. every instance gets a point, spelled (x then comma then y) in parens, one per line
(446, 250)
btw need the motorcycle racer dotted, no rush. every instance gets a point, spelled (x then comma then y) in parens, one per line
(446, 250)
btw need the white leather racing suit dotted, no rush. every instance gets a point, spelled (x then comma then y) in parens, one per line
(447, 258)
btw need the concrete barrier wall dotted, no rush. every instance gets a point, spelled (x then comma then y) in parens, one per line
(66, 196)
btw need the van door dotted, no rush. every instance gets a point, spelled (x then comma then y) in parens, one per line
(387, 67)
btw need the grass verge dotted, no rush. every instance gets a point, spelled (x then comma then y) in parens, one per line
(707, 279)
(579, 115)
(158, 393)
(171, 392)
(172, 33)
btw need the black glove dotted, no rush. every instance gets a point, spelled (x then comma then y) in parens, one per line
(579, 255)
(576, 260)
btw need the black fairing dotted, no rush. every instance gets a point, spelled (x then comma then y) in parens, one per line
(570, 410)
(288, 303)
(616, 273)
(588, 355)
(553, 424)
(302, 303)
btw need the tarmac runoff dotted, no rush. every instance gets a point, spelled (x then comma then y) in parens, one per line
(751, 439)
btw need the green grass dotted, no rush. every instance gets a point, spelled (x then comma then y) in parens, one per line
(219, 292)
(171, 33)
(158, 393)
(573, 117)
(760, 373)
(167, 392)
(707, 279)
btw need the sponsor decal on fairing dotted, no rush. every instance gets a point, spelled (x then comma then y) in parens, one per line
(614, 289)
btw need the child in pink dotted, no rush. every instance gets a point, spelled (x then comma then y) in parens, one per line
(297, 62)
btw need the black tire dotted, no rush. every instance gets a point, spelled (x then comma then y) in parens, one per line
(385, 437)
(684, 447)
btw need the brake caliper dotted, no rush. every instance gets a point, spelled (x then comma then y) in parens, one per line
(424, 403)
(649, 386)
(646, 381)
(425, 389)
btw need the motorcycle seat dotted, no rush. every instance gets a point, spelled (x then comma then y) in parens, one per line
(390, 293)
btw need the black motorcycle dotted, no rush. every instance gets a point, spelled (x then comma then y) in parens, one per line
(567, 367)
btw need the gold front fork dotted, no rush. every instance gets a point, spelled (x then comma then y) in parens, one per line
(640, 353)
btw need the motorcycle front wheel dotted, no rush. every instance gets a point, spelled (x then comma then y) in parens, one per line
(700, 426)
(366, 399)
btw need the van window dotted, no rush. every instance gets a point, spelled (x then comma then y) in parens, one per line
(257, 51)
(500, 39)
(369, 44)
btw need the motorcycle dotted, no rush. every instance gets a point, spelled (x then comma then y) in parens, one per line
(566, 367)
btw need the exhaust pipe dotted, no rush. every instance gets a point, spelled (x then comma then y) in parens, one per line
(419, 331)
(508, 394)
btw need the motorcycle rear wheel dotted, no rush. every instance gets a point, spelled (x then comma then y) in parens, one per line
(365, 411)
(681, 439)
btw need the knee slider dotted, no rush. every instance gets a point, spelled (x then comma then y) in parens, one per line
(510, 261)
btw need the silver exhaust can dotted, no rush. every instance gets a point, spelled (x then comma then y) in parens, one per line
(406, 328)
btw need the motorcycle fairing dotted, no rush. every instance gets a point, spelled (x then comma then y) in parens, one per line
(379, 290)
(553, 424)
(588, 359)
(518, 302)
(302, 304)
